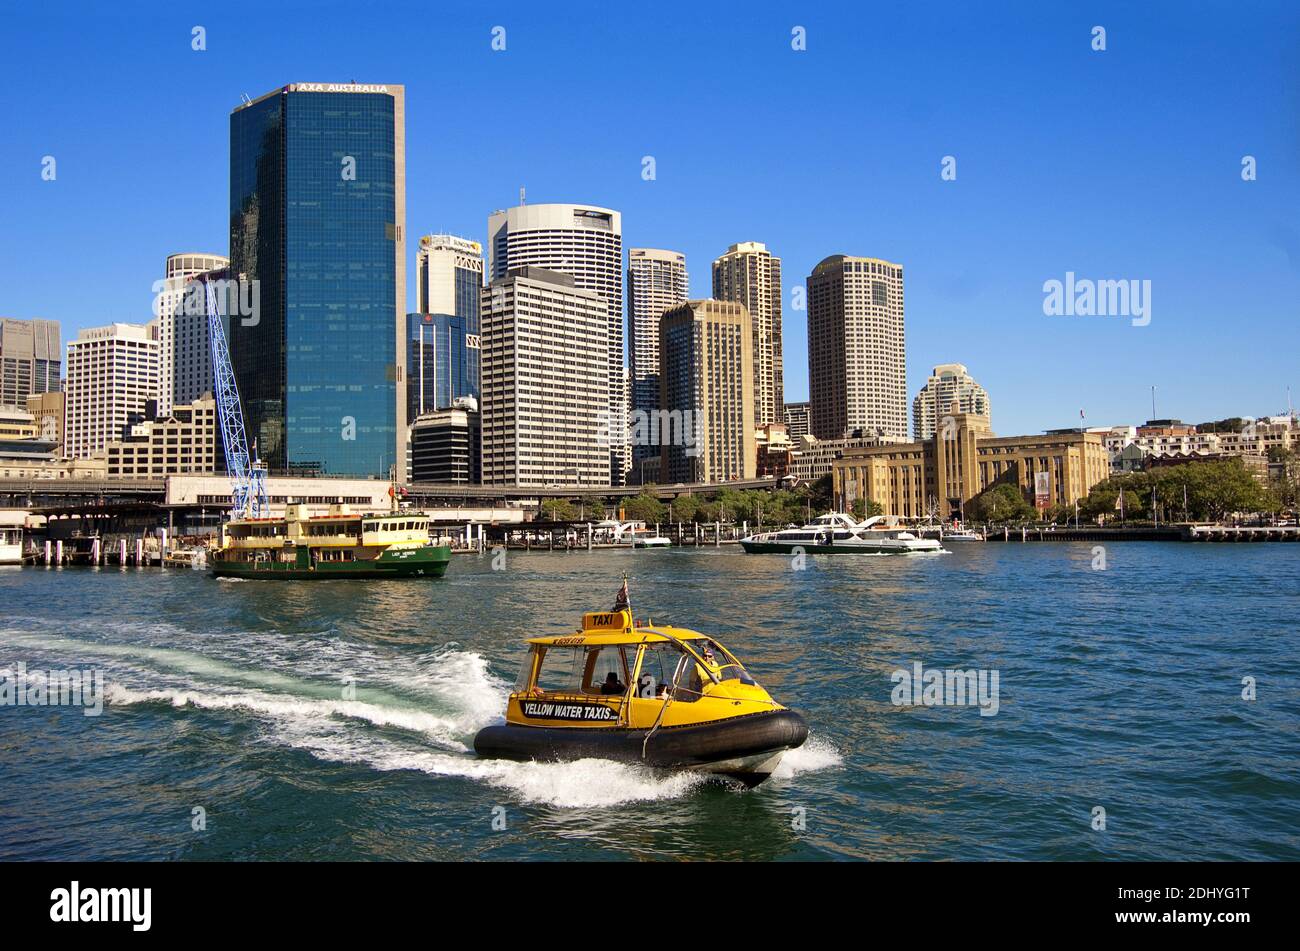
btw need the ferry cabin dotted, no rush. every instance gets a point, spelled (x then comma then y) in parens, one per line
(339, 536)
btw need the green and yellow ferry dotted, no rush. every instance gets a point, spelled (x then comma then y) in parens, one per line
(340, 544)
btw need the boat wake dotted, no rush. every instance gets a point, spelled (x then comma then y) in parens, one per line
(816, 754)
(389, 712)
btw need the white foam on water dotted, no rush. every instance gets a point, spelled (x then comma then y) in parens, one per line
(458, 685)
(442, 730)
(579, 784)
(815, 754)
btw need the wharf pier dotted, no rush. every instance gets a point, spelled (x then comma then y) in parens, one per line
(1171, 533)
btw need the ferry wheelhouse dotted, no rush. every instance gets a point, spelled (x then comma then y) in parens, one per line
(340, 544)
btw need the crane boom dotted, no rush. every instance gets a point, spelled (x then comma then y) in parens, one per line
(247, 473)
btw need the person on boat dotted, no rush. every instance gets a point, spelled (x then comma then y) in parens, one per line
(612, 685)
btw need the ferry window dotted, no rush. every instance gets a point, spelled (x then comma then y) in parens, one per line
(561, 670)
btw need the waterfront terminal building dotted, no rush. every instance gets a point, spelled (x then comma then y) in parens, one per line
(906, 479)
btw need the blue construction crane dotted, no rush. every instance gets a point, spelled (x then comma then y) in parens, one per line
(247, 473)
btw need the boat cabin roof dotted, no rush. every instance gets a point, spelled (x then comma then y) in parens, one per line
(838, 519)
(603, 628)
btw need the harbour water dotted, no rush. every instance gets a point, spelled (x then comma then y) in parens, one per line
(333, 720)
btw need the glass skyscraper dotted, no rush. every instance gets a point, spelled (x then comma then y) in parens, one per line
(442, 361)
(317, 217)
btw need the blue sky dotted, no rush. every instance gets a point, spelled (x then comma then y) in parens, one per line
(1122, 164)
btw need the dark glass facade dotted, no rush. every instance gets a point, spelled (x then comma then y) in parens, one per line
(443, 355)
(313, 217)
(469, 284)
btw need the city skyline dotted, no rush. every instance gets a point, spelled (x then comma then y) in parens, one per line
(1040, 191)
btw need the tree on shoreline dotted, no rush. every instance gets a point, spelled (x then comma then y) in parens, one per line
(1000, 503)
(1212, 490)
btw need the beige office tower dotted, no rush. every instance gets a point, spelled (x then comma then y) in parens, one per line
(449, 276)
(950, 389)
(30, 357)
(185, 352)
(857, 366)
(544, 382)
(47, 410)
(706, 393)
(585, 242)
(113, 373)
(749, 274)
(656, 282)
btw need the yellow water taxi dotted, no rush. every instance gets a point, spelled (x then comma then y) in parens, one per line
(639, 692)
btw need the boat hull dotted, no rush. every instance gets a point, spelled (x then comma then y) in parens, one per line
(429, 562)
(842, 548)
(745, 748)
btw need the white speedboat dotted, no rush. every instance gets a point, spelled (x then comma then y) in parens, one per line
(962, 534)
(836, 533)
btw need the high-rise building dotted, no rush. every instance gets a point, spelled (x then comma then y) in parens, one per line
(184, 348)
(950, 389)
(445, 445)
(318, 218)
(656, 282)
(857, 366)
(114, 372)
(585, 242)
(183, 440)
(449, 276)
(706, 388)
(30, 357)
(750, 274)
(442, 361)
(545, 381)
(796, 420)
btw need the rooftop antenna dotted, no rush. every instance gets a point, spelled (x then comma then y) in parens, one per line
(244, 96)
(521, 194)
(1153, 402)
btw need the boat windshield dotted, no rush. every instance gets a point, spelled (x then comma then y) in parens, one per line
(723, 663)
(662, 665)
(600, 671)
